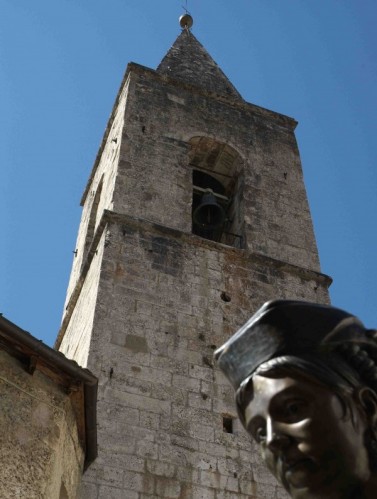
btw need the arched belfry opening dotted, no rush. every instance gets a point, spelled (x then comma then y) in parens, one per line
(93, 217)
(217, 180)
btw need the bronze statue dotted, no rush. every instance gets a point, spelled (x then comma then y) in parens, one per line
(305, 377)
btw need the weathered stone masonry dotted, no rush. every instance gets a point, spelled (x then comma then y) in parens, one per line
(47, 418)
(149, 301)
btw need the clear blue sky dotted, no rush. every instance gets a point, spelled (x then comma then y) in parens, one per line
(61, 64)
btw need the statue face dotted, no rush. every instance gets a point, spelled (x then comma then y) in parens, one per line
(307, 441)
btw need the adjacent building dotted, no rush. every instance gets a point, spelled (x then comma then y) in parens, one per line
(47, 419)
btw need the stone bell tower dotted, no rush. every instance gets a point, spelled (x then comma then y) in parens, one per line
(194, 215)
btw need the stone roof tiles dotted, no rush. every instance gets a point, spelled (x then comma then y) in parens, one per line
(188, 60)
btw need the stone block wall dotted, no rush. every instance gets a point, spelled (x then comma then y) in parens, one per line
(40, 454)
(99, 191)
(154, 179)
(143, 166)
(165, 301)
(151, 301)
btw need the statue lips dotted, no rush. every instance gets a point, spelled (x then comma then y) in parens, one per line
(292, 465)
(297, 463)
(296, 470)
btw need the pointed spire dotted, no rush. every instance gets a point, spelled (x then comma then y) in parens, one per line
(189, 61)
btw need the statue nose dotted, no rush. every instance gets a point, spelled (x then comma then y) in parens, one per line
(276, 439)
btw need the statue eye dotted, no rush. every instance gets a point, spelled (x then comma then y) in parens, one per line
(260, 434)
(294, 409)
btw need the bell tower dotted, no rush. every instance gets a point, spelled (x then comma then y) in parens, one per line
(194, 215)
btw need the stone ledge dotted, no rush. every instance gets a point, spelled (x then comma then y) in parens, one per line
(136, 223)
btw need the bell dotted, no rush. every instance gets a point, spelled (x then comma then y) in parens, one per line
(209, 214)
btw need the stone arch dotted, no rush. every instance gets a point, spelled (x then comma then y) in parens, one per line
(93, 218)
(219, 167)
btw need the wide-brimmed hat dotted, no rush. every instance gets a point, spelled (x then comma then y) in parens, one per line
(286, 327)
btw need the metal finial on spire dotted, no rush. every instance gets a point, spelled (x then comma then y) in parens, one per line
(186, 21)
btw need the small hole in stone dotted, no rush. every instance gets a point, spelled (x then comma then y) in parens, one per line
(206, 361)
(204, 396)
(213, 347)
(225, 297)
(235, 474)
(227, 424)
(201, 337)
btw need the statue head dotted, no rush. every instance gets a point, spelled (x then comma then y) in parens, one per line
(305, 377)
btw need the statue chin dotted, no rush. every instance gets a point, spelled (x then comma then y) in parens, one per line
(311, 443)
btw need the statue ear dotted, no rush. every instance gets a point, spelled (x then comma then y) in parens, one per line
(367, 398)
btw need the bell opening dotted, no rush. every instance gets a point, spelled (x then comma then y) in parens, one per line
(216, 192)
